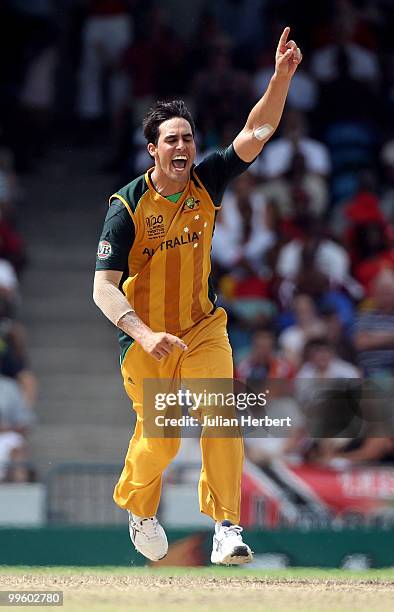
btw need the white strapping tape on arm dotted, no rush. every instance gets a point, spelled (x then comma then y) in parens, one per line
(110, 300)
(263, 132)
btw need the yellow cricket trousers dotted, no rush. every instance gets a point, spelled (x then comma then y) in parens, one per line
(208, 356)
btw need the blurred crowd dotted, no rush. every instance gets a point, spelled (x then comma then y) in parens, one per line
(303, 249)
(17, 382)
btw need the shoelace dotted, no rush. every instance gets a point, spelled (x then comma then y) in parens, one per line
(149, 528)
(233, 530)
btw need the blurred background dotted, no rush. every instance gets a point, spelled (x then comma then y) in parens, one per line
(302, 257)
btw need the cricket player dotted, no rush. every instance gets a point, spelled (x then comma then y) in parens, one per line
(153, 282)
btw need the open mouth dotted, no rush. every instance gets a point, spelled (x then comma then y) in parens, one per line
(179, 162)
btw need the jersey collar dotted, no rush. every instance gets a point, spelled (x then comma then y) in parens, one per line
(156, 196)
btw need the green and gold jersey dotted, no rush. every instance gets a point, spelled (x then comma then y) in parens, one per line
(163, 245)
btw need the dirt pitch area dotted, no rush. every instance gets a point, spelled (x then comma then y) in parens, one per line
(205, 589)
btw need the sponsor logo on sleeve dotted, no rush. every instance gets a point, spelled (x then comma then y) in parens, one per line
(104, 250)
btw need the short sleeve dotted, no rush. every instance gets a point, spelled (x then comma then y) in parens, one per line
(116, 240)
(218, 169)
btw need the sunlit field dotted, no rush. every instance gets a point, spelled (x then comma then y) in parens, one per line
(220, 589)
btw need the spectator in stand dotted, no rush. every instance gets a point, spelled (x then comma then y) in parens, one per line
(336, 334)
(160, 74)
(362, 209)
(12, 336)
(15, 413)
(13, 456)
(241, 21)
(374, 331)
(241, 240)
(278, 154)
(314, 263)
(37, 95)
(321, 361)
(8, 184)
(307, 325)
(264, 446)
(162, 70)
(264, 366)
(263, 361)
(387, 197)
(282, 191)
(374, 244)
(107, 32)
(242, 233)
(328, 404)
(347, 72)
(14, 363)
(221, 93)
(11, 244)
(365, 232)
(24, 26)
(16, 418)
(9, 285)
(361, 62)
(9, 291)
(207, 33)
(341, 453)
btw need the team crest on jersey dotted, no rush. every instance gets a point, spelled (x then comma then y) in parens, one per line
(104, 250)
(191, 204)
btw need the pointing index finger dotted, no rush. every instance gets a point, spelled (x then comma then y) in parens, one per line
(178, 342)
(283, 39)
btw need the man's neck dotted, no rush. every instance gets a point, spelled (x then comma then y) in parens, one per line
(322, 372)
(164, 185)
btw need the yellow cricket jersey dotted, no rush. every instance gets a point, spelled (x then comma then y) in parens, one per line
(163, 247)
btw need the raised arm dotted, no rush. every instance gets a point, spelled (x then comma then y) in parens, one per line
(265, 115)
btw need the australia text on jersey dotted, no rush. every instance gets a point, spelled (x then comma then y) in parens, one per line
(171, 244)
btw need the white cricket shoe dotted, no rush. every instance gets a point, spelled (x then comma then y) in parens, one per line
(228, 547)
(148, 537)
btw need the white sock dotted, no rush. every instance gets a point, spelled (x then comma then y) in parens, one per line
(138, 519)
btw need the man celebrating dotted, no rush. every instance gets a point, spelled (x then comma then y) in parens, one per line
(153, 282)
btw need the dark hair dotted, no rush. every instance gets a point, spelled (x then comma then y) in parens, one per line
(162, 111)
(314, 344)
(317, 343)
(266, 330)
